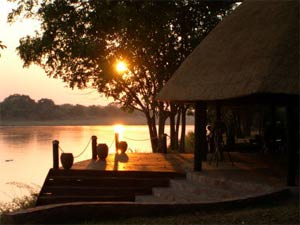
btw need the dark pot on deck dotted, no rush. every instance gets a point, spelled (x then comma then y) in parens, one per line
(102, 151)
(67, 160)
(123, 146)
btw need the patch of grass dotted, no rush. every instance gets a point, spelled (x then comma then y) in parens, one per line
(189, 144)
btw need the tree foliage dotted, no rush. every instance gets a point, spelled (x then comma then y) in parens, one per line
(2, 46)
(80, 41)
(18, 106)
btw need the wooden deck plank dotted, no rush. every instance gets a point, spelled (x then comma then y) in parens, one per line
(140, 162)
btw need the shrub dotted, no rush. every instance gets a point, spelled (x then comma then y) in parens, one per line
(189, 144)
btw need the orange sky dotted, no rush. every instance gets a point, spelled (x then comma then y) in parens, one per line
(33, 81)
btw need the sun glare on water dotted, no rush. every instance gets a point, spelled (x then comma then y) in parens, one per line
(119, 129)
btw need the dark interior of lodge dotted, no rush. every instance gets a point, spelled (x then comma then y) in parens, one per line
(265, 127)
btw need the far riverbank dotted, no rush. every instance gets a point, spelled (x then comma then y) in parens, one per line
(83, 122)
(139, 120)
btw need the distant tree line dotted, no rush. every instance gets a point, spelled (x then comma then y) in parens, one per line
(22, 107)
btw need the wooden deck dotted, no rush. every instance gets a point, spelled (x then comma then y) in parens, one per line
(140, 162)
(121, 177)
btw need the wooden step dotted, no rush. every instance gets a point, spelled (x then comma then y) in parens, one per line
(113, 173)
(62, 186)
(92, 190)
(105, 181)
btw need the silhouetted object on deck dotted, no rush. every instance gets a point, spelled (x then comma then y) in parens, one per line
(122, 146)
(67, 160)
(102, 151)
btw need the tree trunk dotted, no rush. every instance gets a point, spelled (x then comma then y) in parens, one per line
(178, 125)
(161, 126)
(152, 132)
(183, 128)
(173, 135)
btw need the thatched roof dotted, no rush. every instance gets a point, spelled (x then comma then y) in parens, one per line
(255, 50)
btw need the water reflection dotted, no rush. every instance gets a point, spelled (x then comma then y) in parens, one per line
(43, 135)
(16, 137)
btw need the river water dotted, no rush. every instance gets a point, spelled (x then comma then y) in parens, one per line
(26, 151)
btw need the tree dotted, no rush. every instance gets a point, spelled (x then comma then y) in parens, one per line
(18, 107)
(46, 109)
(80, 41)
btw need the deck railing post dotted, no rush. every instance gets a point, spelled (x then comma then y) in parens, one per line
(94, 147)
(117, 141)
(55, 145)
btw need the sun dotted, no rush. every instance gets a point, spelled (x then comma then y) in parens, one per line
(121, 66)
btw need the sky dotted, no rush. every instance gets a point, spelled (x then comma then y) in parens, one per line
(33, 81)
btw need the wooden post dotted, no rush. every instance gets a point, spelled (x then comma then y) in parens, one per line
(219, 133)
(117, 141)
(55, 144)
(292, 113)
(94, 147)
(200, 134)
